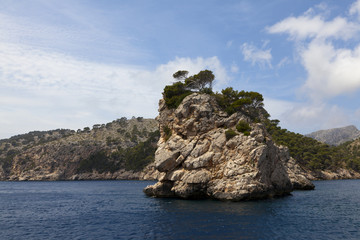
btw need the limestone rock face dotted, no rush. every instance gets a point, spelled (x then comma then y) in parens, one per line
(298, 176)
(199, 162)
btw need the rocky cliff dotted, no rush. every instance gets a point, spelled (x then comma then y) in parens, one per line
(202, 155)
(336, 136)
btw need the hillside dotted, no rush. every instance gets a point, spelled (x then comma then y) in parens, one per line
(336, 136)
(115, 150)
(320, 160)
(352, 150)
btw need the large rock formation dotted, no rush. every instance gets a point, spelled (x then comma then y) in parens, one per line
(200, 162)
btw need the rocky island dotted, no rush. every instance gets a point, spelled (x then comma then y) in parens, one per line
(206, 151)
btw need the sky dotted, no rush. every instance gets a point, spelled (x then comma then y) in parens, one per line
(76, 63)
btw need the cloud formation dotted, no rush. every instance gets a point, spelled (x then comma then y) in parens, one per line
(56, 90)
(256, 56)
(303, 117)
(315, 27)
(332, 71)
(355, 8)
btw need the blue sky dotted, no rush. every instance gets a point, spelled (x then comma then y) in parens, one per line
(73, 64)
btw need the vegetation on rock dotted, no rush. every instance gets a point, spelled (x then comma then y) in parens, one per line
(233, 101)
(313, 154)
(230, 134)
(133, 158)
(108, 148)
(201, 81)
(99, 161)
(351, 151)
(243, 127)
(230, 100)
(174, 94)
(167, 132)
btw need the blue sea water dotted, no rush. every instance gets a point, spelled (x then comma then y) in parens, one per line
(120, 210)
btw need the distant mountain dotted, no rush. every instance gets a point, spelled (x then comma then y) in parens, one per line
(336, 136)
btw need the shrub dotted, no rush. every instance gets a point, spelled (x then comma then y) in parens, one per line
(174, 94)
(109, 141)
(137, 157)
(230, 134)
(243, 127)
(167, 132)
(120, 130)
(135, 130)
(233, 101)
(123, 122)
(98, 161)
(207, 91)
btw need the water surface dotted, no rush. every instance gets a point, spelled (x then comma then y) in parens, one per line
(120, 210)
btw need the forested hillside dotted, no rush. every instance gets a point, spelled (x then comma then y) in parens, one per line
(315, 155)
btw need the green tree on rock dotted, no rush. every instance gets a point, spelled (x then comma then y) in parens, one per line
(175, 93)
(200, 81)
(180, 75)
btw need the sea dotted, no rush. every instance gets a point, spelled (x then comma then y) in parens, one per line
(120, 210)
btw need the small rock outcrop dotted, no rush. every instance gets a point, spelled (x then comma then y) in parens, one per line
(199, 161)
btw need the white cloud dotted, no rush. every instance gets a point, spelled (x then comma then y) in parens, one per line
(310, 117)
(276, 108)
(355, 8)
(46, 90)
(256, 56)
(332, 71)
(306, 117)
(315, 26)
(283, 62)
